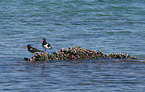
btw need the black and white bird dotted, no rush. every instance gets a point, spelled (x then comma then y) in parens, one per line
(45, 45)
(33, 50)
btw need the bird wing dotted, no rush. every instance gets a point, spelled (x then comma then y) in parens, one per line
(35, 50)
(49, 46)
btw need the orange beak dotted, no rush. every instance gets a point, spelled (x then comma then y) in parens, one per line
(25, 47)
(42, 41)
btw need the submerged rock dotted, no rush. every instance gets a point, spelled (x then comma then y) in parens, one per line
(77, 53)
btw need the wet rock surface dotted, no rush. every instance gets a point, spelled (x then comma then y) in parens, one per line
(77, 53)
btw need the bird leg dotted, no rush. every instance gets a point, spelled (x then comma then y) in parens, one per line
(33, 57)
(47, 51)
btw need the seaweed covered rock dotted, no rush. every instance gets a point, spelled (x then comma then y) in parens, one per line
(77, 53)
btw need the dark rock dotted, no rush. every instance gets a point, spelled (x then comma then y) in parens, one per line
(77, 53)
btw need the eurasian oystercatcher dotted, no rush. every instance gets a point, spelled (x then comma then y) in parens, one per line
(46, 45)
(33, 50)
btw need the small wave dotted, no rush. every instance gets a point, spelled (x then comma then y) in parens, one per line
(112, 32)
(124, 32)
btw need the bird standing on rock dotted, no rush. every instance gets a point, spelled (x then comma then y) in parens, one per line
(33, 50)
(45, 45)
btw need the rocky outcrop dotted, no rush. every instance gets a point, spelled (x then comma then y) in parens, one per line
(77, 53)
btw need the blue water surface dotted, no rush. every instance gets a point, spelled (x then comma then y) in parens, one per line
(113, 26)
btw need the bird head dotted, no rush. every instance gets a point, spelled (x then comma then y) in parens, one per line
(43, 40)
(28, 46)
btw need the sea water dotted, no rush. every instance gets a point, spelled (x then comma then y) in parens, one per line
(112, 26)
